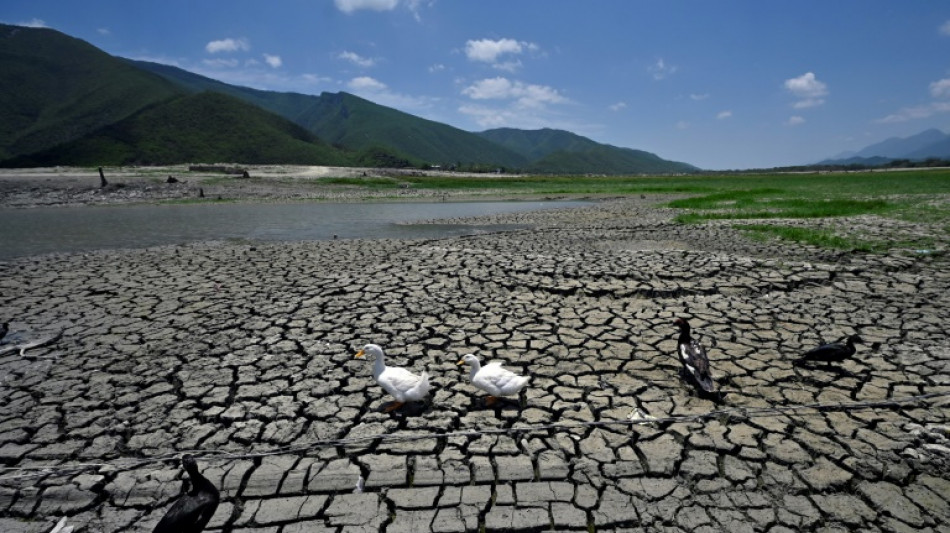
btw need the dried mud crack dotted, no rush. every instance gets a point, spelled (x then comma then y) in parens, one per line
(242, 355)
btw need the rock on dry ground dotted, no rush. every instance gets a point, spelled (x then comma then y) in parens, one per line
(243, 355)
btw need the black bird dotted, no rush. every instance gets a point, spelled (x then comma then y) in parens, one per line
(831, 353)
(191, 513)
(694, 359)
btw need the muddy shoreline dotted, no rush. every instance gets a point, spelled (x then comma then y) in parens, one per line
(62, 186)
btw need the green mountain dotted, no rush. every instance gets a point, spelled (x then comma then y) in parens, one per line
(56, 88)
(563, 152)
(63, 101)
(355, 123)
(196, 128)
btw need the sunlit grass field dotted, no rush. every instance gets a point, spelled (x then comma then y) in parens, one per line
(921, 196)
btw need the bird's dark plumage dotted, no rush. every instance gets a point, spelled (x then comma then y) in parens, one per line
(694, 359)
(832, 353)
(191, 513)
(4, 329)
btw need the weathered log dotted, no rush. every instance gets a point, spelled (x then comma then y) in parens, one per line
(102, 179)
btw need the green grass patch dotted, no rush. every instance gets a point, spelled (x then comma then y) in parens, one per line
(817, 237)
(828, 239)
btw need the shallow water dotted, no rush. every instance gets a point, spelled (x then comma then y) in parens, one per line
(25, 232)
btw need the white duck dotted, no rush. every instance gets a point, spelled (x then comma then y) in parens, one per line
(399, 382)
(493, 379)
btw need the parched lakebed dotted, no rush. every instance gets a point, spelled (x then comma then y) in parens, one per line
(242, 354)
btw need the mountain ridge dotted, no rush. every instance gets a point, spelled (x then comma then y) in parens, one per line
(930, 143)
(78, 91)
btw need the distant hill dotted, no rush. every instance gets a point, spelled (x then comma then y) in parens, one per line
(347, 120)
(355, 123)
(55, 88)
(198, 128)
(559, 151)
(63, 101)
(931, 143)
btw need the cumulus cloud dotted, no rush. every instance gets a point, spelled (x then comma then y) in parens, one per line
(724, 114)
(488, 50)
(525, 94)
(945, 28)
(350, 6)
(273, 61)
(619, 106)
(809, 91)
(34, 23)
(661, 69)
(505, 102)
(438, 67)
(227, 45)
(491, 51)
(794, 120)
(357, 59)
(940, 88)
(366, 84)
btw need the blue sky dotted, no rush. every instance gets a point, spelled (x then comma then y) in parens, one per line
(719, 84)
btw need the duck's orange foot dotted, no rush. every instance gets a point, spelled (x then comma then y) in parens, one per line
(393, 406)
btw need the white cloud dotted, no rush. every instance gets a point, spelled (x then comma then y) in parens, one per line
(682, 125)
(357, 59)
(34, 23)
(699, 97)
(513, 103)
(273, 61)
(808, 89)
(661, 70)
(486, 116)
(490, 51)
(227, 45)
(221, 63)
(945, 28)
(940, 88)
(795, 120)
(724, 114)
(366, 83)
(380, 93)
(914, 113)
(103, 31)
(439, 67)
(314, 79)
(508, 66)
(808, 102)
(525, 94)
(619, 106)
(349, 6)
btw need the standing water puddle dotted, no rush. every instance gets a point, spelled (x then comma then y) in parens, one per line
(25, 232)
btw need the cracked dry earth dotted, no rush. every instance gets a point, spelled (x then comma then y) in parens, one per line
(243, 353)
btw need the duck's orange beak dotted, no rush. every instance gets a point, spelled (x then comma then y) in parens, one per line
(360, 354)
(462, 362)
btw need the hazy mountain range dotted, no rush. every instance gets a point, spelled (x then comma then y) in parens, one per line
(927, 144)
(65, 102)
